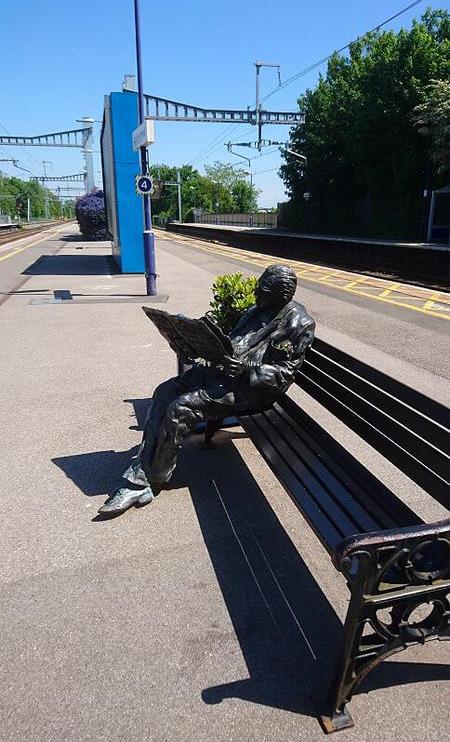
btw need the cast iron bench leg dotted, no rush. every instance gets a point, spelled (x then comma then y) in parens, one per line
(341, 690)
(212, 426)
(391, 584)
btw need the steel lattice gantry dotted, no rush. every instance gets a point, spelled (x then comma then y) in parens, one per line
(163, 109)
(79, 138)
(77, 178)
(72, 138)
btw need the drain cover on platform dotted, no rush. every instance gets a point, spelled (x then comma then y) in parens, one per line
(71, 300)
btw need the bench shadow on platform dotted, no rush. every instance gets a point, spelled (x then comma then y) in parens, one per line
(288, 632)
(72, 265)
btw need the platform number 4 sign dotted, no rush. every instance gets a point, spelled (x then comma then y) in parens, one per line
(144, 185)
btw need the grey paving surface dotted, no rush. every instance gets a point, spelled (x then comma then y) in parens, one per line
(27, 250)
(152, 626)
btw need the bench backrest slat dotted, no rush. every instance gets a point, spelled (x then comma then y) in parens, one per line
(405, 426)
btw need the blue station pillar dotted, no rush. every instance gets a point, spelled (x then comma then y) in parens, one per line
(120, 167)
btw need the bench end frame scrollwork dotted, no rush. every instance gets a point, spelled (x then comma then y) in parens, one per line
(400, 596)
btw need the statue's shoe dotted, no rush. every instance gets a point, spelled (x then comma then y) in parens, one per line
(147, 495)
(121, 500)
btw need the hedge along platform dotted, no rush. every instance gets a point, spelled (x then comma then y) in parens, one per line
(120, 166)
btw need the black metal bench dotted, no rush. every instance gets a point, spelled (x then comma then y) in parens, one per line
(394, 563)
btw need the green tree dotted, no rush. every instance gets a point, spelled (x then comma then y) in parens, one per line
(359, 137)
(222, 189)
(233, 191)
(196, 191)
(244, 197)
(432, 117)
(225, 174)
(14, 194)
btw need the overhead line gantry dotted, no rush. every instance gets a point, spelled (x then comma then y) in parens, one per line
(165, 109)
(79, 138)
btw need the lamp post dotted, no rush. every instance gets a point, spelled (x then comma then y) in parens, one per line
(180, 218)
(148, 236)
(44, 163)
(307, 198)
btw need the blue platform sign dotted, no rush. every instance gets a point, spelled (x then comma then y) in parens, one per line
(120, 165)
(144, 185)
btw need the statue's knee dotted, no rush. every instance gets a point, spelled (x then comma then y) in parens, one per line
(163, 389)
(181, 417)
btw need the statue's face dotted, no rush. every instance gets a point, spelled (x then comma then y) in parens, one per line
(266, 296)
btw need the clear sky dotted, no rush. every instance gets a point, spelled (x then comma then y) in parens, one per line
(58, 59)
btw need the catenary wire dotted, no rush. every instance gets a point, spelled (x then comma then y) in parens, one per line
(322, 61)
(215, 144)
(304, 72)
(211, 144)
(269, 170)
(21, 145)
(220, 144)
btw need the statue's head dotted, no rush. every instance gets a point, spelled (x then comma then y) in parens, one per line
(276, 287)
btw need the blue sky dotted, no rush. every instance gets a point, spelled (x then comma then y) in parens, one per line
(58, 60)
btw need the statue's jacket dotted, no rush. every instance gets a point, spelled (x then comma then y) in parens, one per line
(273, 348)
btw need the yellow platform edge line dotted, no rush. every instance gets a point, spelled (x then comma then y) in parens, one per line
(234, 252)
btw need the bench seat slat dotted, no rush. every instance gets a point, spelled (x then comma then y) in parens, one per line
(317, 519)
(324, 499)
(435, 411)
(379, 502)
(323, 475)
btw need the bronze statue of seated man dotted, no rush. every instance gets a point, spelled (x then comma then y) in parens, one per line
(269, 344)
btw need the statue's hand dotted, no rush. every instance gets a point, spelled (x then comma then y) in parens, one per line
(233, 367)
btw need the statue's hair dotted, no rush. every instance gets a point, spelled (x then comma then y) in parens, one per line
(281, 279)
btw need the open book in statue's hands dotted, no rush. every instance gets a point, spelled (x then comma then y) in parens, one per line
(192, 338)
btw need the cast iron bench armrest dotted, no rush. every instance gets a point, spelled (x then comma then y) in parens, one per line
(377, 539)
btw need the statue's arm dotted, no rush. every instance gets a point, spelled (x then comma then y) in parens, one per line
(282, 359)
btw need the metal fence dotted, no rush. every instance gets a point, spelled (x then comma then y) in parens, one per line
(160, 221)
(260, 219)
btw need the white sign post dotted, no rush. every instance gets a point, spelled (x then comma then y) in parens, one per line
(144, 135)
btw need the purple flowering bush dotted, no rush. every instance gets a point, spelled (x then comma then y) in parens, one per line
(91, 216)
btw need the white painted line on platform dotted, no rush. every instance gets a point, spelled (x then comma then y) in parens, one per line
(44, 236)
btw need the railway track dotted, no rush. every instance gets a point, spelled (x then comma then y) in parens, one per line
(12, 235)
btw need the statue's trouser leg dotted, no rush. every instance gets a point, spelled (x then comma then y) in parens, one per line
(178, 405)
(164, 395)
(180, 419)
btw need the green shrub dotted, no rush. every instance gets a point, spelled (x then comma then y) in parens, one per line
(232, 294)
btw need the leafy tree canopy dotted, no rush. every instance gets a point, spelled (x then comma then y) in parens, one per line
(362, 135)
(15, 192)
(432, 118)
(223, 189)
